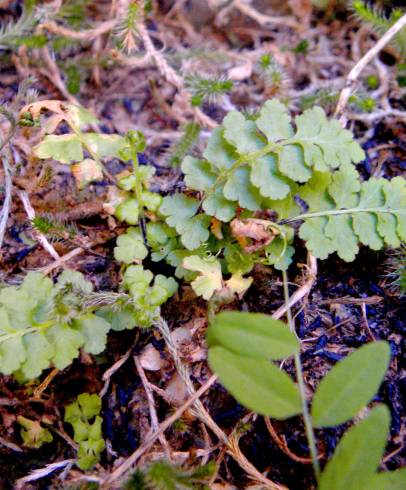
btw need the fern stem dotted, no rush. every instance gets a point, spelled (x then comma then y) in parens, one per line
(138, 194)
(335, 212)
(302, 389)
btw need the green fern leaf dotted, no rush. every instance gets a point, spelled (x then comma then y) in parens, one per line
(346, 212)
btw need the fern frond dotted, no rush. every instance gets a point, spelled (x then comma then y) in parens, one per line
(344, 212)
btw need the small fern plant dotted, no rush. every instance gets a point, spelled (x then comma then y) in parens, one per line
(84, 417)
(261, 180)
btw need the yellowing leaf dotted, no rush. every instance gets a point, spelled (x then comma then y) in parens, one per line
(210, 277)
(86, 172)
(64, 148)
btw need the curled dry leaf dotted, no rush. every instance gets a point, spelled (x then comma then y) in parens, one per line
(151, 360)
(259, 231)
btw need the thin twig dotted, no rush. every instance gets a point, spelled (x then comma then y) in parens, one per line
(8, 188)
(42, 472)
(112, 369)
(300, 293)
(262, 19)
(39, 236)
(129, 462)
(362, 63)
(151, 405)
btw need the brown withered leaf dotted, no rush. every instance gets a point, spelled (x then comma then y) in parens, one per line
(258, 231)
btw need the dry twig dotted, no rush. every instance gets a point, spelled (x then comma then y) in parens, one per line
(362, 63)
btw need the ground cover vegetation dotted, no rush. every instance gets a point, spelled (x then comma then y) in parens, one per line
(148, 237)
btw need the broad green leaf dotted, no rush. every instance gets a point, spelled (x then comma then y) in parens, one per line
(128, 211)
(274, 121)
(389, 480)
(344, 187)
(217, 205)
(64, 148)
(104, 145)
(324, 142)
(137, 279)
(239, 188)
(313, 232)
(257, 384)
(67, 342)
(198, 174)
(252, 335)
(210, 277)
(195, 231)
(395, 193)
(238, 260)
(130, 247)
(358, 454)
(74, 280)
(292, 164)
(94, 330)
(151, 200)
(39, 352)
(218, 151)
(12, 354)
(178, 209)
(350, 385)
(314, 192)
(265, 176)
(393, 227)
(339, 230)
(284, 208)
(241, 133)
(366, 224)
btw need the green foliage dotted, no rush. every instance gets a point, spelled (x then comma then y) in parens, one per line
(396, 270)
(334, 402)
(138, 304)
(366, 12)
(246, 162)
(240, 357)
(12, 32)
(162, 475)
(206, 88)
(344, 212)
(358, 454)
(44, 325)
(32, 433)
(84, 417)
(190, 134)
(241, 348)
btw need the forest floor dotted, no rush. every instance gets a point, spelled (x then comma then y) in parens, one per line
(312, 52)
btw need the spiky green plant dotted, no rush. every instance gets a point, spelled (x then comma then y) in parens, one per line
(376, 18)
(162, 475)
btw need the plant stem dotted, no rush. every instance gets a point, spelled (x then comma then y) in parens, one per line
(336, 212)
(302, 389)
(138, 195)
